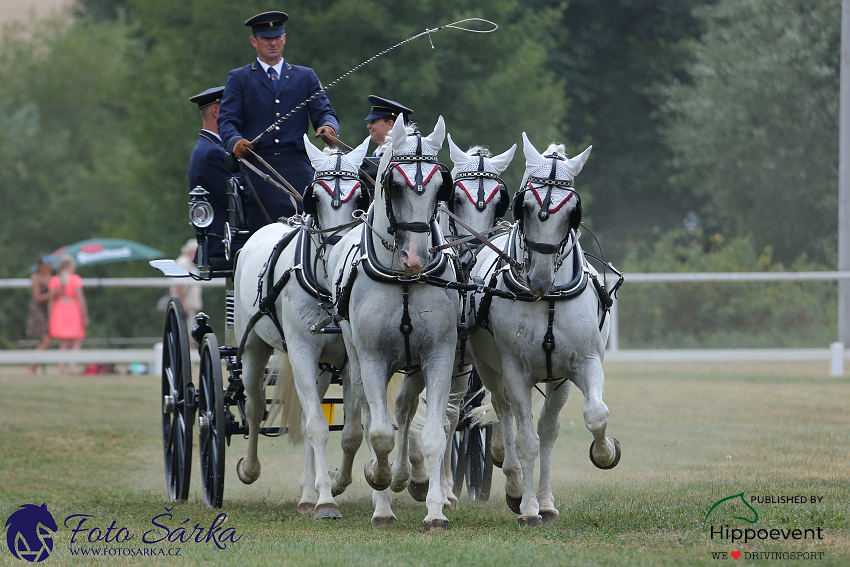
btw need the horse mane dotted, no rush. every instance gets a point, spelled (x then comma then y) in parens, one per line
(410, 128)
(557, 149)
(479, 151)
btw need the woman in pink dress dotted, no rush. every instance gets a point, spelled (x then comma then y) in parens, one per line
(68, 312)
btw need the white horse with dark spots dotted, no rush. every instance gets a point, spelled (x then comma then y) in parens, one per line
(280, 286)
(553, 332)
(394, 320)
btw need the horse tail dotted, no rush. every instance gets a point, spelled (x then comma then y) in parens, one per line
(285, 405)
(485, 414)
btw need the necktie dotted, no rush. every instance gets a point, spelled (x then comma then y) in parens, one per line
(273, 76)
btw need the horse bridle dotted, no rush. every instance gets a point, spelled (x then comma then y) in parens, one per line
(338, 174)
(543, 215)
(481, 200)
(418, 186)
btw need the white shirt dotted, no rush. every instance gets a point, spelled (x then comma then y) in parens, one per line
(278, 67)
(211, 133)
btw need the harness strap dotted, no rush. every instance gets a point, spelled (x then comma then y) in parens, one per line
(549, 340)
(406, 326)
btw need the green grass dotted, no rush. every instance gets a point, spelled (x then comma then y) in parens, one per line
(691, 435)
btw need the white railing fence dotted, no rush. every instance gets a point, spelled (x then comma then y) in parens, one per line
(835, 353)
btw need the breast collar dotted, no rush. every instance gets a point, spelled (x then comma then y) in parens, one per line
(380, 273)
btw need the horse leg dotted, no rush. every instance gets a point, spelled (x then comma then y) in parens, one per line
(305, 364)
(375, 377)
(604, 451)
(307, 503)
(405, 408)
(383, 515)
(460, 385)
(547, 429)
(254, 360)
(418, 485)
(437, 371)
(528, 443)
(352, 430)
(503, 436)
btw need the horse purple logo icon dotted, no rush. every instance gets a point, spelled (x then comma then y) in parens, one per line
(29, 533)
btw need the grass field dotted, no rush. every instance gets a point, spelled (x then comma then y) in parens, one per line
(691, 436)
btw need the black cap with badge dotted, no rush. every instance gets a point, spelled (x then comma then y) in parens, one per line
(268, 24)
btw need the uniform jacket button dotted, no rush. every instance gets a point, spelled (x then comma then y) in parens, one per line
(277, 102)
(277, 141)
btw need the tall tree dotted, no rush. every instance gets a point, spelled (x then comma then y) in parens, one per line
(755, 133)
(612, 57)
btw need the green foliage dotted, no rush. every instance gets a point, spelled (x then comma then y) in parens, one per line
(755, 134)
(722, 314)
(612, 58)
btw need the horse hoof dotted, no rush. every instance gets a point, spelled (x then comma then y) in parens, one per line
(419, 490)
(498, 464)
(529, 520)
(243, 476)
(549, 516)
(305, 507)
(327, 511)
(436, 525)
(383, 521)
(367, 472)
(513, 503)
(336, 489)
(616, 456)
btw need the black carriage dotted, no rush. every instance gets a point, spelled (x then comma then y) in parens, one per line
(219, 403)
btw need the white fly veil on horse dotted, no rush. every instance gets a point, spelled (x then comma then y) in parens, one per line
(477, 173)
(338, 173)
(549, 177)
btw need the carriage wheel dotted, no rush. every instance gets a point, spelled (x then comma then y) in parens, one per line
(177, 390)
(211, 422)
(473, 462)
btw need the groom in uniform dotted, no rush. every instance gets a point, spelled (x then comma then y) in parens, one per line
(255, 97)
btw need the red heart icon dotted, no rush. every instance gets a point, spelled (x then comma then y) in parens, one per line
(735, 554)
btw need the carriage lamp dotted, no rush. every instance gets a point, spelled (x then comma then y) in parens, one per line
(200, 210)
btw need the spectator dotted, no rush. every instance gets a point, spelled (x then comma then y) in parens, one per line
(68, 311)
(37, 313)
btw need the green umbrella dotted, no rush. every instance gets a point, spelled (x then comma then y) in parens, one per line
(106, 250)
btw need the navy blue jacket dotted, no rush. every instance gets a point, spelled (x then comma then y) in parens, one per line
(206, 168)
(250, 105)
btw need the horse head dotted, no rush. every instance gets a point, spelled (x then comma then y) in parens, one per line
(547, 209)
(336, 191)
(479, 196)
(411, 181)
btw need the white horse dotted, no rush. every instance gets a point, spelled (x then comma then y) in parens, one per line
(551, 333)
(479, 198)
(280, 284)
(395, 321)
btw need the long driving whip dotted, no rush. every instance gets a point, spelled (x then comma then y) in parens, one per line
(427, 32)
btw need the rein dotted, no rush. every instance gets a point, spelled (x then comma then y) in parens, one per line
(479, 236)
